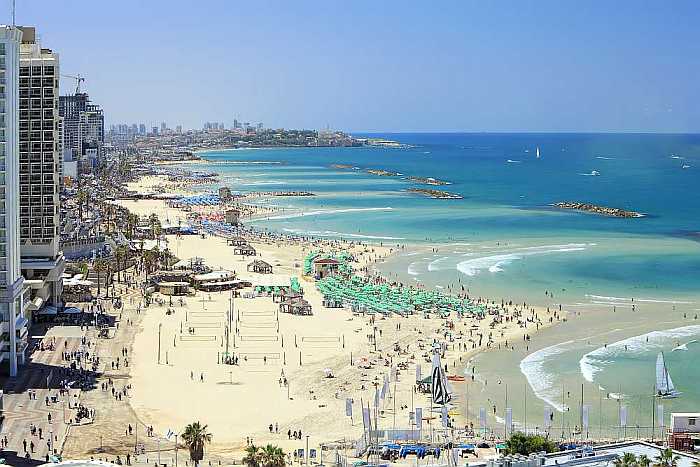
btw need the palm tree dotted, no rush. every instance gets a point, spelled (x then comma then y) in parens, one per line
(195, 436)
(121, 256)
(627, 460)
(252, 456)
(99, 267)
(644, 461)
(666, 459)
(272, 456)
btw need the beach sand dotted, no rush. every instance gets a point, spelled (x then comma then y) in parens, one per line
(240, 401)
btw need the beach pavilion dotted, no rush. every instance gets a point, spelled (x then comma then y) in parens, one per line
(173, 288)
(245, 250)
(296, 306)
(260, 267)
(236, 241)
(324, 267)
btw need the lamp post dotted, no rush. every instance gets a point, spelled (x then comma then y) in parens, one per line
(160, 327)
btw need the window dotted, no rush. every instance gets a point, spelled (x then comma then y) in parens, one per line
(691, 422)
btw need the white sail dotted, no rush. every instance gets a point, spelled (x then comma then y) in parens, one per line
(440, 391)
(664, 384)
(538, 152)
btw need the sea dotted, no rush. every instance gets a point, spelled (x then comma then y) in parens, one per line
(631, 286)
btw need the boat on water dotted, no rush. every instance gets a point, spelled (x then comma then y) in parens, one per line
(664, 385)
(538, 152)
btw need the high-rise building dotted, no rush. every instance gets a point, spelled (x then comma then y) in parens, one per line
(42, 261)
(163, 127)
(142, 129)
(83, 126)
(178, 129)
(13, 322)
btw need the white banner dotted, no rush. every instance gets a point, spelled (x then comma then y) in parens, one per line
(348, 407)
(419, 418)
(660, 414)
(385, 388)
(393, 372)
(482, 417)
(548, 415)
(444, 416)
(584, 416)
(376, 397)
(623, 415)
(418, 373)
(509, 418)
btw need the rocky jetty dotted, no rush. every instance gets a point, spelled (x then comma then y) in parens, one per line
(595, 209)
(435, 194)
(383, 173)
(428, 180)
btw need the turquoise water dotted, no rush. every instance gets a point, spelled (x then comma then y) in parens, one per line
(504, 239)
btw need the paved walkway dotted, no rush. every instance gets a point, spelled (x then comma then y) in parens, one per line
(31, 424)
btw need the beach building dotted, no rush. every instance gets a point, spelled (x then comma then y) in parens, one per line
(244, 250)
(236, 241)
(225, 194)
(13, 322)
(684, 432)
(215, 280)
(590, 456)
(232, 216)
(260, 266)
(42, 261)
(296, 306)
(173, 288)
(324, 267)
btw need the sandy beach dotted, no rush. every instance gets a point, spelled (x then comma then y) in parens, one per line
(241, 402)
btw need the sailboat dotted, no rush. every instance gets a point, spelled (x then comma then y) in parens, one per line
(664, 384)
(538, 152)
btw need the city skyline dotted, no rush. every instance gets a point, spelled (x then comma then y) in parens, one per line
(511, 66)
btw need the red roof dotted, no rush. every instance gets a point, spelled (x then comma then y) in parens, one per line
(326, 261)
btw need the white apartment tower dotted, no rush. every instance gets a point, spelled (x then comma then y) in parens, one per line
(42, 261)
(13, 323)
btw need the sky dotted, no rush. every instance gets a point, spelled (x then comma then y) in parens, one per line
(520, 65)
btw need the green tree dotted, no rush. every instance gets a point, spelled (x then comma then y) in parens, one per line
(272, 456)
(644, 461)
(252, 456)
(195, 436)
(520, 443)
(99, 267)
(666, 459)
(627, 460)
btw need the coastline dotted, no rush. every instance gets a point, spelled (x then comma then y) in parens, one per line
(153, 406)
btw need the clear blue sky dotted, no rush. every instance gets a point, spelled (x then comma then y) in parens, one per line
(383, 65)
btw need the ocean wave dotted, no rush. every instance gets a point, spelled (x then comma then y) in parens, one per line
(433, 266)
(540, 380)
(321, 213)
(263, 182)
(413, 269)
(595, 361)
(605, 158)
(496, 263)
(511, 161)
(333, 233)
(635, 300)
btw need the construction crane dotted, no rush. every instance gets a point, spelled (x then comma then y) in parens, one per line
(78, 79)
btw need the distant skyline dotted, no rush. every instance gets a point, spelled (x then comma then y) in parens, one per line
(496, 66)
